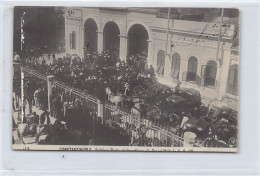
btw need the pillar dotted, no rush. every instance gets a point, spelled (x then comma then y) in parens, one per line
(82, 42)
(22, 94)
(183, 69)
(100, 111)
(100, 41)
(123, 47)
(223, 73)
(81, 39)
(49, 85)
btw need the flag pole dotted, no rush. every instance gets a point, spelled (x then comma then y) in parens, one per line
(219, 33)
(167, 34)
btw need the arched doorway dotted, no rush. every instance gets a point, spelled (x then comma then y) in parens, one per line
(137, 40)
(192, 69)
(90, 35)
(111, 40)
(210, 73)
(232, 85)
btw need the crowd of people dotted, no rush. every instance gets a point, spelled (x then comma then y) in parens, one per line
(110, 80)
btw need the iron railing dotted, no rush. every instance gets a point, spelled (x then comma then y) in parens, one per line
(117, 115)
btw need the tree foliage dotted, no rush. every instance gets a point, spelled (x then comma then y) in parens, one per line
(43, 29)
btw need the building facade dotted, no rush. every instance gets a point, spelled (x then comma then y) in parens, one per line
(191, 52)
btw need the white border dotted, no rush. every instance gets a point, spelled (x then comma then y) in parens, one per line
(245, 162)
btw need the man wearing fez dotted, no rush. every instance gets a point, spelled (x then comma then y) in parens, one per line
(151, 71)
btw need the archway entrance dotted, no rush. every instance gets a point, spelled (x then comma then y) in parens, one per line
(90, 37)
(210, 73)
(192, 69)
(111, 40)
(137, 40)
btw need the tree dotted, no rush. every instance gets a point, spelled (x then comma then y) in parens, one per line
(43, 29)
(17, 30)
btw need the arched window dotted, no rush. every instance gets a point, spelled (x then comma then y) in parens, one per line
(111, 40)
(90, 35)
(160, 62)
(192, 69)
(73, 40)
(137, 40)
(232, 85)
(210, 73)
(175, 66)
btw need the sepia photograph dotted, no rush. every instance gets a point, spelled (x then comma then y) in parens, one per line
(126, 79)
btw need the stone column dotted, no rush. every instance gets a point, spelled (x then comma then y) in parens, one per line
(223, 71)
(82, 41)
(100, 110)
(100, 41)
(123, 47)
(49, 85)
(80, 37)
(183, 68)
(22, 94)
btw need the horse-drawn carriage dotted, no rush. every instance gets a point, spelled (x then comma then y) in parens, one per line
(170, 107)
(220, 122)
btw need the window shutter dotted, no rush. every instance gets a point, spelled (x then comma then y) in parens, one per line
(158, 62)
(157, 69)
(74, 40)
(161, 70)
(172, 68)
(162, 63)
(177, 68)
(70, 41)
(176, 74)
(172, 72)
(73, 35)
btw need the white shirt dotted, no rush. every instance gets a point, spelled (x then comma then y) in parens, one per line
(183, 122)
(16, 57)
